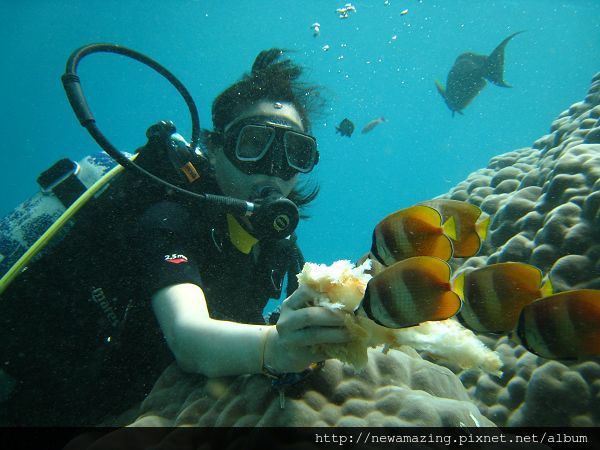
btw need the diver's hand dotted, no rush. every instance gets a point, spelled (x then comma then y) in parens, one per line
(290, 345)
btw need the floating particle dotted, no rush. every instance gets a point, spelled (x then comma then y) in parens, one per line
(316, 27)
(343, 11)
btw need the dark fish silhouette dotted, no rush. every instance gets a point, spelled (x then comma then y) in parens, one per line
(468, 74)
(345, 128)
(372, 124)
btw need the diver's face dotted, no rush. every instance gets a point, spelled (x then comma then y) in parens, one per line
(235, 183)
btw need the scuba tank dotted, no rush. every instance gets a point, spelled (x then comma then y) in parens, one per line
(60, 186)
(68, 186)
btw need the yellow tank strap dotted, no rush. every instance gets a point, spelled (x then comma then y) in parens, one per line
(56, 226)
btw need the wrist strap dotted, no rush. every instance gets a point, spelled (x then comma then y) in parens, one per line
(271, 373)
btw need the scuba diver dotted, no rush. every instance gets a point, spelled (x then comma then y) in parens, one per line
(146, 277)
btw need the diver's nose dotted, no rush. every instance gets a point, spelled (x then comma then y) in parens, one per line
(278, 160)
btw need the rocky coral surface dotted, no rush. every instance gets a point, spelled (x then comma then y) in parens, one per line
(397, 389)
(545, 204)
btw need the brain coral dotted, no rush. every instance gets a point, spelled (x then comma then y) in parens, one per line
(397, 389)
(545, 203)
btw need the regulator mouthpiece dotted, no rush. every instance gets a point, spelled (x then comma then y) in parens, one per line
(276, 216)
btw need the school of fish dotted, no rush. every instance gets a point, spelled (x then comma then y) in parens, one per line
(412, 283)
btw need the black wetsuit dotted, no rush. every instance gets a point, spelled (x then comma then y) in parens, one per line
(77, 330)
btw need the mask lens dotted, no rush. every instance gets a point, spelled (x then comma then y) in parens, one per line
(301, 151)
(253, 142)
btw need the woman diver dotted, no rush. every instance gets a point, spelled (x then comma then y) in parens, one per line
(87, 329)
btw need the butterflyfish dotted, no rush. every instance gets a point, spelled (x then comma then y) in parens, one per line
(410, 292)
(468, 74)
(372, 124)
(495, 295)
(414, 231)
(562, 326)
(469, 232)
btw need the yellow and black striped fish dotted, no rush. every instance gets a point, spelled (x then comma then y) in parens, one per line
(414, 231)
(495, 295)
(410, 292)
(562, 326)
(470, 233)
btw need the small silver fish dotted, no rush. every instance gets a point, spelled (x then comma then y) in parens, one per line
(372, 124)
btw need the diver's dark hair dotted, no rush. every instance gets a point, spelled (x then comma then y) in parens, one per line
(272, 78)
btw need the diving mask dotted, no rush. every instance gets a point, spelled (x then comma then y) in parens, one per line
(257, 145)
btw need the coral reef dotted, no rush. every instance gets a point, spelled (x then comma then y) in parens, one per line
(545, 204)
(397, 389)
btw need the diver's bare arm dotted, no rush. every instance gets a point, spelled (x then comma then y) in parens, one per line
(203, 345)
(220, 348)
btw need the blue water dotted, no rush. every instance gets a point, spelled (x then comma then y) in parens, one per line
(380, 63)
